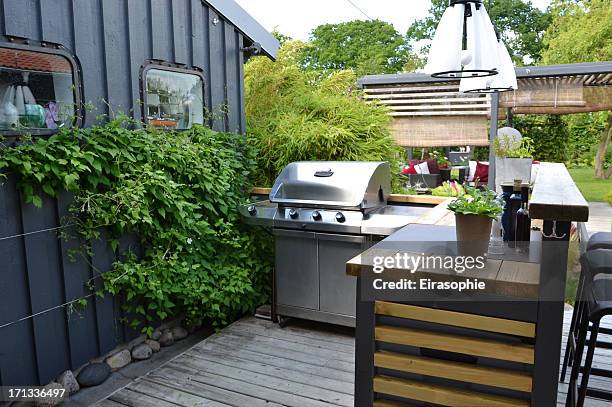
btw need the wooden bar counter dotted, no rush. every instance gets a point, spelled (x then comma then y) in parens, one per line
(496, 346)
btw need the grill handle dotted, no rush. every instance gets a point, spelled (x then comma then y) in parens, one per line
(324, 174)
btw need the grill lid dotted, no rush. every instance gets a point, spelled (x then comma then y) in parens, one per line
(342, 184)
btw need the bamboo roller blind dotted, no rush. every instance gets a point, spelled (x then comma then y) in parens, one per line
(438, 115)
(434, 115)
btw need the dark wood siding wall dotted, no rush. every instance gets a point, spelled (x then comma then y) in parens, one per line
(111, 39)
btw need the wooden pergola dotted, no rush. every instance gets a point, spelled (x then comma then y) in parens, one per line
(431, 112)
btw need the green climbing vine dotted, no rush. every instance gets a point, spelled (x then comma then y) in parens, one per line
(178, 192)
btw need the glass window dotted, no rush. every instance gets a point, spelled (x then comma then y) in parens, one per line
(173, 99)
(37, 90)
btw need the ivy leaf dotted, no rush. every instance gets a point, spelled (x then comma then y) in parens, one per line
(37, 201)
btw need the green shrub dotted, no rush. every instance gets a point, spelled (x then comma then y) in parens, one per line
(549, 134)
(608, 197)
(294, 115)
(179, 193)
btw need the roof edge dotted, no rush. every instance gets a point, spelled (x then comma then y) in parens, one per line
(246, 24)
(521, 72)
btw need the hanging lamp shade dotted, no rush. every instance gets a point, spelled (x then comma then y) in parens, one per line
(503, 82)
(449, 58)
(445, 51)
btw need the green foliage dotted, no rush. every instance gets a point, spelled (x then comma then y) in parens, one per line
(477, 202)
(608, 197)
(294, 115)
(521, 24)
(449, 188)
(509, 147)
(178, 192)
(585, 130)
(548, 133)
(368, 47)
(581, 31)
(441, 159)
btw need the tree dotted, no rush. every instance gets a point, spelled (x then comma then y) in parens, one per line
(367, 47)
(581, 31)
(521, 25)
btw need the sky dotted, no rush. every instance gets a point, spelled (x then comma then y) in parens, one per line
(296, 18)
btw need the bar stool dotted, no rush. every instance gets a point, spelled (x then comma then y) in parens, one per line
(596, 303)
(599, 240)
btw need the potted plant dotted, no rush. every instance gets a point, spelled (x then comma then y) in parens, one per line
(443, 165)
(474, 213)
(513, 159)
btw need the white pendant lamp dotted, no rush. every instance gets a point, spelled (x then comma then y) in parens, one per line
(503, 82)
(448, 58)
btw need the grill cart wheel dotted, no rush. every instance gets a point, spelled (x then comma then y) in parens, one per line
(282, 321)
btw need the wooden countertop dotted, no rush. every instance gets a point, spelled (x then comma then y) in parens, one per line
(512, 274)
(555, 196)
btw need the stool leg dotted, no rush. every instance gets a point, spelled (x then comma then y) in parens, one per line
(587, 364)
(583, 328)
(567, 358)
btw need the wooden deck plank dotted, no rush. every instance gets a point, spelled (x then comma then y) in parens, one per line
(280, 334)
(169, 378)
(137, 399)
(330, 334)
(160, 391)
(242, 387)
(255, 365)
(325, 370)
(272, 371)
(263, 379)
(279, 352)
(108, 403)
(243, 338)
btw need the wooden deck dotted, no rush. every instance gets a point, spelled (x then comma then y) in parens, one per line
(254, 363)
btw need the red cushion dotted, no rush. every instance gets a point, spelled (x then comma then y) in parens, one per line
(414, 161)
(409, 170)
(432, 164)
(482, 172)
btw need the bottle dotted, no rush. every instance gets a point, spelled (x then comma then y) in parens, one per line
(527, 220)
(515, 201)
(521, 225)
(507, 189)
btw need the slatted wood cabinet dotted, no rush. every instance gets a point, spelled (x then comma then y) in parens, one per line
(499, 347)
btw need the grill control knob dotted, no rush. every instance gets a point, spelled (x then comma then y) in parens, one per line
(340, 217)
(293, 213)
(316, 215)
(252, 210)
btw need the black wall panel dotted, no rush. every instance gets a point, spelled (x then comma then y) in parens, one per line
(111, 39)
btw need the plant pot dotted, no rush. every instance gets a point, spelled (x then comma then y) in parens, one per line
(473, 234)
(509, 169)
(445, 174)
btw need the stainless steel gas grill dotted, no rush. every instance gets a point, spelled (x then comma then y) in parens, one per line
(324, 213)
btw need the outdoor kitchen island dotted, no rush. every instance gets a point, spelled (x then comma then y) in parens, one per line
(498, 345)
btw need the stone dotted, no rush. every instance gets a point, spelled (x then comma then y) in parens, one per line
(166, 338)
(156, 335)
(154, 345)
(50, 401)
(68, 382)
(93, 374)
(178, 333)
(119, 359)
(141, 352)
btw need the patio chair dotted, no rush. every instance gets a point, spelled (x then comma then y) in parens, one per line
(595, 304)
(599, 240)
